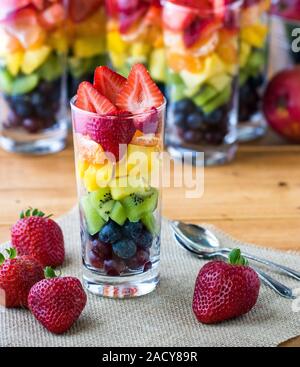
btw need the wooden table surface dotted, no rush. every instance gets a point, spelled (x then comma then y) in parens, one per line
(256, 198)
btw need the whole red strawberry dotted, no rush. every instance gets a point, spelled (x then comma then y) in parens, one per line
(57, 302)
(17, 275)
(40, 237)
(225, 290)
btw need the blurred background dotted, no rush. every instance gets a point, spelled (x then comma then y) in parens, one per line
(229, 70)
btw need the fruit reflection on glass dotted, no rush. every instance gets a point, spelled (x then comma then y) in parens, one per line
(281, 103)
(253, 63)
(134, 35)
(86, 38)
(284, 35)
(202, 59)
(31, 72)
(118, 129)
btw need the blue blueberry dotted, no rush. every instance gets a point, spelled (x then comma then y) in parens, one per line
(133, 230)
(38, 99)
(195, 120)
(145, 240)
(179, 119)
(110, 233)
(184, 105)
(192, 137)
(215, 117)
(45, 112)
(125, 249)
(23, 108)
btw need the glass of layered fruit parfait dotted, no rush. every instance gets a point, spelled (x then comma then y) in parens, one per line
(118, 136)
(32, 71)
(134, 35)
(86, 32)
(253, 68)
(201, 41)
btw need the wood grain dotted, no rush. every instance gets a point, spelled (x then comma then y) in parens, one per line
(255, 199)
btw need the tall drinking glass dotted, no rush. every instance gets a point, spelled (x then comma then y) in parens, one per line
(118, 171)
(32, 77)
(134, 35)
(202, 88)
(253, 68)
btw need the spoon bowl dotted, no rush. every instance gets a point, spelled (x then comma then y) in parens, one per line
(197, 238)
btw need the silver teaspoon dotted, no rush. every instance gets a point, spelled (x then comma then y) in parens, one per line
(276, 286)
(200, 239)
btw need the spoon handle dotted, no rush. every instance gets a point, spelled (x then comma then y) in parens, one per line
(284, 269)
(278, 287)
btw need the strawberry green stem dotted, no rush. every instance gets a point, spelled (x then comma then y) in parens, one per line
(49, 273)
(33, 213)
(12, 254)
(236, 258)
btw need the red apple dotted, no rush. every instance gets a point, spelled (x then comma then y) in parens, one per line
(289, 9)
(281, 103)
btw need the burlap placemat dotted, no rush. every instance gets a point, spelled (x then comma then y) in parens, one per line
(163, 318)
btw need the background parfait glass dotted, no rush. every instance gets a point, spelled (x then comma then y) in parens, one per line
(119, 199)
(86, 34)
(32, 77)
(253, 68)
(202, 61)
(134, 35)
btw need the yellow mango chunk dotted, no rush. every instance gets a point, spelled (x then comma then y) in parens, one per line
(88, 47)
(14, 62)
(33, 59)
(104, 174)
(139, 49)
(245, 50)
(115, 43)
(89, 178)
(58, 41)
(82, 166)
(255, 35)
(212, 65)
(118, 59)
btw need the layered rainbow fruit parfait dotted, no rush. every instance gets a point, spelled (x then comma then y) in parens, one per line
(134, 35)
(118, 135)
(31, 63)
(86, 39)
(201, 40)
(253, 57)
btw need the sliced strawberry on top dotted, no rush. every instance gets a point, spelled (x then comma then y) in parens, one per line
(128, 5)
(89, 99)
(39, 4)
(83, 101)
(8, 6)
(200, 29)
(81, 9)
(53, 16)
(23, 25)
(176, 18)
(128, 19)
(111, 7)
(108, 82)
(139, 93)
